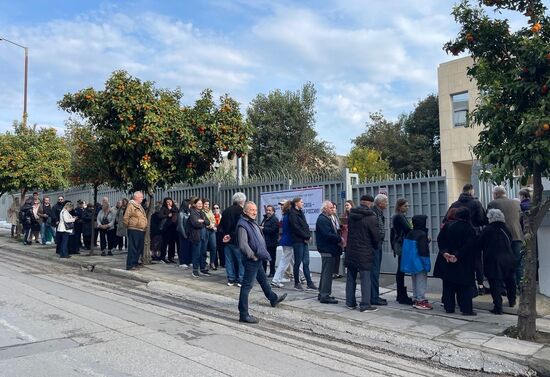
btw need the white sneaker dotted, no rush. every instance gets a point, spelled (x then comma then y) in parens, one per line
(277, 284)
(230, 284)
(284, 280)
(239, 285)
(184, 266)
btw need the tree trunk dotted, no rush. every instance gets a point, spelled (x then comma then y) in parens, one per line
(527, 311)
(146, 257)
(94, 221)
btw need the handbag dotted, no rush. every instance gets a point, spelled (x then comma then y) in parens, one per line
(410, 260)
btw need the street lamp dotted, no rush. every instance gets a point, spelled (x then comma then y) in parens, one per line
(26, 75)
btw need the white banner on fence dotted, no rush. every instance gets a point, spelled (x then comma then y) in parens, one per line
(313, 198)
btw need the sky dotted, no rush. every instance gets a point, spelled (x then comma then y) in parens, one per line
(362, 55)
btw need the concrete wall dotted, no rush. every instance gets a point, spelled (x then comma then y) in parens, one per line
(456, 142)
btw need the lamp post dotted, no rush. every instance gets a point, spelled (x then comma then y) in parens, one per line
(26, 76)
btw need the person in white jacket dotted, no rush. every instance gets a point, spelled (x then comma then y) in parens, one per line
(65, 228)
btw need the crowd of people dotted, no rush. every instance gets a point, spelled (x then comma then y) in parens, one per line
(475, 245)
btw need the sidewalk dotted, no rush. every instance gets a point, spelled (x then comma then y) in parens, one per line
(474, 343)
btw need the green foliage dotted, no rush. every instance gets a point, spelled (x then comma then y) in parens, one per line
(33, 159)
(409, 144)
(512, 71)
(367, 163)
(284, 134)
(149, 139)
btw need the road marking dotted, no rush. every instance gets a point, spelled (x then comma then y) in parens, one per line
(17, 330)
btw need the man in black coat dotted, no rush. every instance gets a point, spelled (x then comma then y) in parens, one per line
(57, 208)
(328, 245)
(363, 238)
(300, 234)
(233, 260)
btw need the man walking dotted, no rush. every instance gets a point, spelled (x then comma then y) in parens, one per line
(252, 245)
(328, 245)
(380, 204)
(363, 238)
(135, 220)
(233, 260)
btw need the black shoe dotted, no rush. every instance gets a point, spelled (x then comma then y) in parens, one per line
(405, 300)
(319, 297)
(512, 303)
(329, 301)
(449, 311)
(103, 254)
(380, 302)
(369, 308)
(280, 299)
(110, 253)
(248, 319)
(469, 314)
(496, 311)
(171, 261)
(206, 272)
(271, 275)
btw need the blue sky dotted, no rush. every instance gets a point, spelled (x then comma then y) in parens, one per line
(362, 56)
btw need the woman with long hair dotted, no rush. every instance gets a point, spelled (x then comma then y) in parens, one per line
(198, 222)
(65, 229)
(168, 215)
(209, 234)
(348, 205)
(400, 228)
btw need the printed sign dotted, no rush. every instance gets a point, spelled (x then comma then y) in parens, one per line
(313, 198)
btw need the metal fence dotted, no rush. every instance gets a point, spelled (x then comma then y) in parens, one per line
(426, 194)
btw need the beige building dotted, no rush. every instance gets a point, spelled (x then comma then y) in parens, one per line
(457, 95)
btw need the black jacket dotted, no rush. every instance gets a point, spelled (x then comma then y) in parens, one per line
(228, 223)
(477, 213)
(271, 230)
(458, 238)
(363, 238)
(168, 223)
(496, 243)
(86, 219)
(57, 208)
(196, 225)
(326, 236)
(299, 229)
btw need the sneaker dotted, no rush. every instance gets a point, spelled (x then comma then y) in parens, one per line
(110, 253)
(284, 280)
(299, 287)
(184, 266)
(206, 273)
(230, 284)
(239, 285)
(422, 305)
(311, 287)
(276, 284)
(368, 309)
(195, 274)
(165, 261)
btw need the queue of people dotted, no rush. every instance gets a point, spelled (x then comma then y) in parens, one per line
(474, 244)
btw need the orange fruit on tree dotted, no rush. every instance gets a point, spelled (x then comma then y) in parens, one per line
(546, 126)
(536, 27)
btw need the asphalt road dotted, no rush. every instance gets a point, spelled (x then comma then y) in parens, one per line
(62, 321)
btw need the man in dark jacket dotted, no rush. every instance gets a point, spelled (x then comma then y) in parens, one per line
(252, 245)
(270, 229)
(328, 245)
(233, 261)
(300, 234)
(57, 208)
(47, 229)
(363, 238)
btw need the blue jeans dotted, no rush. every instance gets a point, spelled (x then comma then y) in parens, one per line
(46, 231)
(233, 263)
(253, 270)
(210, 245)
(351, 285)
(301, 255)
(64, 250)
(135, 247)
(375, 276)
(196, 248)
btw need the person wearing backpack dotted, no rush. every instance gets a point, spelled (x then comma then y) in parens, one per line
(400, 228)
(418, 239)
(499, 261)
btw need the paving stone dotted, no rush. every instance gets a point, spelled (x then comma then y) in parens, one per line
(468, 337)
(515, 346)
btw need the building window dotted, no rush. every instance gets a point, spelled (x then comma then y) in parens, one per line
(460, 108)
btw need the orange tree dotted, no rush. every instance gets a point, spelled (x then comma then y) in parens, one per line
(32, 158)
(88, 162)
(512, 72)
(150, 140)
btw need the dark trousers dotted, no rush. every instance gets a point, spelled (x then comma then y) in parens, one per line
(196, 249)
(58, 242)
(375, 275)
(253, 271)
(221, 249)
(301, 256)
(135, 247)
(272, 250)
(400, 280)
(337, 265)
(78, 236)
(479, 269)
(516, 249)
(27, 234)
(461, 293)
(168, 242)
(87, 239)
(351, 286)
(496, 285)
(120, 242)
(184, 251)
(327, 268)
(107, 239)
(63, 244)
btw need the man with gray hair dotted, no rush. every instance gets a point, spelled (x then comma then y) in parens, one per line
(234, 267)
(512, 213)
(380, 204)
(135, 220)
(328, 244)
